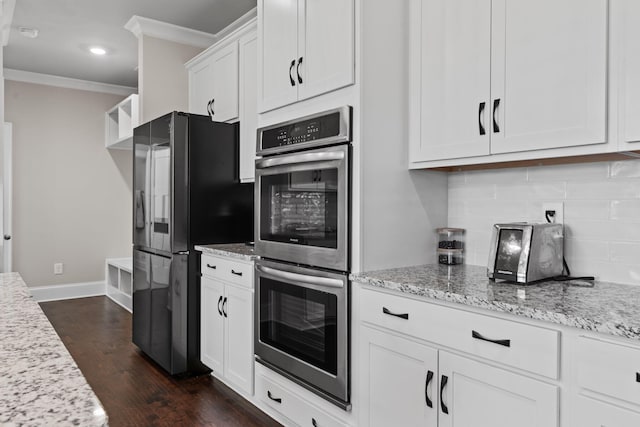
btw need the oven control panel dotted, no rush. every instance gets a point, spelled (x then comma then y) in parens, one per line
(329, 127)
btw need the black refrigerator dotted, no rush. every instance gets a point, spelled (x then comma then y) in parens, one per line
(186, 192)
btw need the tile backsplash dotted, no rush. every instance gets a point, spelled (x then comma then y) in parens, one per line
(601, 212)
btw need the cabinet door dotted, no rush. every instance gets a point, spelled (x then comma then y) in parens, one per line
(629, 16)
(238, 311)
(593, 413)
(548, 74)
(248, 106)
(325, 59)
(211, 324)
(200, 87)
(225, 83)
(277, 53)
(399, 381)
(452, 50)
(475, 394)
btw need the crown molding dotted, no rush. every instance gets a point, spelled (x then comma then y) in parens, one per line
(245, 20)
(66, 82)
(141, 26)
(6, 17)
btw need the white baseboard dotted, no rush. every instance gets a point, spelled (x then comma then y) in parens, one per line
(70, 291)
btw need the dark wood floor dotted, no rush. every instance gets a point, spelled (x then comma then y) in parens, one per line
(133, 390)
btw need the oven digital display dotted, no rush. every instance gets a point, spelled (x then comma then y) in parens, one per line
(303, 131)
(509, 251)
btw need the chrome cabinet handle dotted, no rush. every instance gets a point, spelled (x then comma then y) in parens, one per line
(314, 423)
(480, 113)
(209, 108)
(237, 273)
(213, 267)
(219, 309)
(443, 383)
(224, 307)
(275, 399)
(496, 104)
(298, 70)
(385, 310)
(291, 80)
(426, 389)
(476, 335)
(213, 113)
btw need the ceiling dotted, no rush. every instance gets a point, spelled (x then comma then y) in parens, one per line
(67, 28)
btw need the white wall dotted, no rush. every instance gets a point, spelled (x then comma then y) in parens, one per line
(72, 197)
(601, 210)
(163, 81)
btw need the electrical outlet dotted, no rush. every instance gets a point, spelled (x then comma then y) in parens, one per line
(58, 268)
(558, 208)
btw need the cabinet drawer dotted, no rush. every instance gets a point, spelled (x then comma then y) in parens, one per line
(610, 369)
(522, 346)
(228, 270)
(291, 406)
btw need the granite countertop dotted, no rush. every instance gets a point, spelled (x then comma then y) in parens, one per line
(597, 306)
(232, 250)
(40, 384)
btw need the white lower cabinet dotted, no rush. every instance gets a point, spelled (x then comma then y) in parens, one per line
(409, 377)
(292, 405)
(476, 394)
(399, 381)
(593, 413)
(226, 326)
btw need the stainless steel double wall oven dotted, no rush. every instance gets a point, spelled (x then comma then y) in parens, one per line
(302, 214)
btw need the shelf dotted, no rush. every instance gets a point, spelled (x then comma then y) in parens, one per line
(119, 281)
(120, 122)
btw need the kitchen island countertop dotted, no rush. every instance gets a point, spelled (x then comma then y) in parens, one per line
(603, 307)
(40, 384)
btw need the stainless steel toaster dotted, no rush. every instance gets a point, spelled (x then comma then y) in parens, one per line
(526, 252)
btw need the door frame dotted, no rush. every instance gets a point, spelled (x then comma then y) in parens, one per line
(7, 197)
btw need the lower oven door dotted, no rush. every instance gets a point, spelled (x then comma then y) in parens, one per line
(302, 327)
(302, 207)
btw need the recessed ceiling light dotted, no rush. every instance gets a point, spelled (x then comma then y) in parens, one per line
(31, 33)
(97, 51)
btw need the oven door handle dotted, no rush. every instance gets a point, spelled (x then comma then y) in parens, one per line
(301, 278)
(300, 158)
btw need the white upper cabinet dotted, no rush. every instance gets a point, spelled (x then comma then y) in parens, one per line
(455, 59)
(213, 83)
(248, 105)
(548, 74)
(506, 76)
(200, 87)
(277, 53)
(224, 100)
(305, 48)
(628, 24)
(325, 47)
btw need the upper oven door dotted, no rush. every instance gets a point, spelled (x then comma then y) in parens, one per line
(302, 203)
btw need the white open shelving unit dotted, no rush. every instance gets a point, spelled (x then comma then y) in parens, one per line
(119, 123)
(119, 281)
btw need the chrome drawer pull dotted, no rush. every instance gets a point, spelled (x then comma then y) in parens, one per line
(213, 267)
(443, 383)
(237, 273)
(476, 335)
(385, 310)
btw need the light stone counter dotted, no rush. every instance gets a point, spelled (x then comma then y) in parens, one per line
(232, 250)
(597, 306)
(40, 384)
